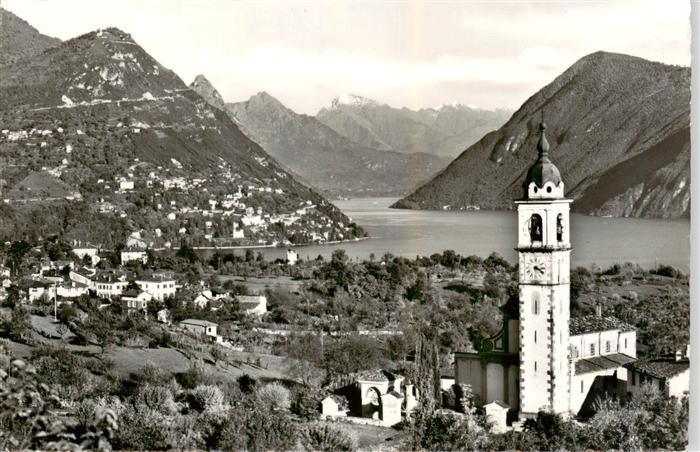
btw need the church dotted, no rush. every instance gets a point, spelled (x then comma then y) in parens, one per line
(541, 359)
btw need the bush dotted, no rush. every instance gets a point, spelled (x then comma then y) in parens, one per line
(207, 398)
(157, 398)
(273, 396)
(306, 403)
(326, 437)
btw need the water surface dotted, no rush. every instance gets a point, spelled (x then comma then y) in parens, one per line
(603, 241)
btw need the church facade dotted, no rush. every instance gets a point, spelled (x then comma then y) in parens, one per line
(541, 359)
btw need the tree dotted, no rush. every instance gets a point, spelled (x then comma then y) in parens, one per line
(187, 253)
(328, 438)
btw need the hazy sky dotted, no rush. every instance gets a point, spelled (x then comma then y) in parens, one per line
(491, 55)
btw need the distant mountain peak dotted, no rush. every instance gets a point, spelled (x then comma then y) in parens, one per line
(202, 86)
(352, 100)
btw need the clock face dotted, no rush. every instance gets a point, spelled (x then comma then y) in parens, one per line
(536, 267)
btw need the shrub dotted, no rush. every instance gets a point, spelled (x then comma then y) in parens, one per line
(246, 383)
(325, 437)
(157, 398)
(273, 396)
(306, 402)
(207, 398)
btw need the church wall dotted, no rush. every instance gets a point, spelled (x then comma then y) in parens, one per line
(513, 387)
(495, 382)
(513, 335)
(581, 386)
(468, 371)
(628, 343)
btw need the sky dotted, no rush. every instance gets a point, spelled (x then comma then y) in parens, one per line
(490, 55)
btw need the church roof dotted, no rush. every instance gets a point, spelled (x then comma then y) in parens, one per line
(543, 170)
(376, 375)
(604, 362)
(661, 368)
(594, 323)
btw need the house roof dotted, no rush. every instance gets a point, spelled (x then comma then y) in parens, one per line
(594, 323)
(604, 362)
(661, 368)
(198, 322)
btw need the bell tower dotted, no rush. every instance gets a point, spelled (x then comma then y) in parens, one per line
(544, 251)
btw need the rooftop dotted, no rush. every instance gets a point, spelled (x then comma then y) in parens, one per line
(604, 362)
(198, 322)
(661, 368)
(594, 323)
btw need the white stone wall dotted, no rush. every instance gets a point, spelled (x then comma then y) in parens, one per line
(679, 384)
(581, 385)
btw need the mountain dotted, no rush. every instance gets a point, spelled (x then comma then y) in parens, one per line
(444, 131)
(619, 127)
(204, 88)
(20, 40)
(320, 156)
(101, 141)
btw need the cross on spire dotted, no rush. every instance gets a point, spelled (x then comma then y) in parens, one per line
(543, 144)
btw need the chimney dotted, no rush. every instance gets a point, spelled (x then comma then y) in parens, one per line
(598, 310)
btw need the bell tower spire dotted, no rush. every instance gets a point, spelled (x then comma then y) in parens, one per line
(544, 254)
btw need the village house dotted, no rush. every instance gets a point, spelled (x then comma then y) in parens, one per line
(670, 375)
(158, 285)
(109, 285)
(133, 300)
(292, 257)
(87, 250)
(208, 296)
(133, 254)
(71, 290)
(254, 305)
(200, 327)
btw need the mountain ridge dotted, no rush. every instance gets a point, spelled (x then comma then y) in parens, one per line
(442, 131)
(324, 159)
(602, 111)
(140, 151)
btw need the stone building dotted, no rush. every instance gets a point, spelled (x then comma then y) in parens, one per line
(541, 360)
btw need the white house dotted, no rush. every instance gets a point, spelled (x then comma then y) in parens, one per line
(133, 254)
(670, 375)
(292, 257)
(87, 250)
(108, 286)
(159, 286)
(200, 327)
(135, 301)
(126, 185)
(255, 305)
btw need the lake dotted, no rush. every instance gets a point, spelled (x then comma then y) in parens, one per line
(603, 241)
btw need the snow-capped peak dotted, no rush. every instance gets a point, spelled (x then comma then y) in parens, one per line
(351, 99)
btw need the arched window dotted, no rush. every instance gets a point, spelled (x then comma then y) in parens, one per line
(560, 228)
(536, 228)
